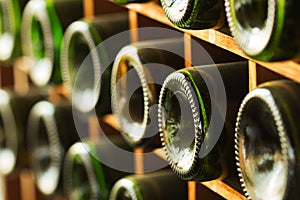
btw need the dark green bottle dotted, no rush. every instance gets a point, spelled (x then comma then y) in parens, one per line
(196, 116)
(10, 20)
(158, 185)
(14, 111)
(267, 141)
(265, 30)
(86, 177)
(130, 1)
(137, 75)
(195, 14)
(51, 131)
(90, 89)
(43, 24)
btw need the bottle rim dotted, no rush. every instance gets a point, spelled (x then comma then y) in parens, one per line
(9, 21)
(189, 171)
(43, 112)
(79, 150)
(178, 14)
(127, 184)
(10, 133)
(130, 54)
(262, 94)
(256, 41)
(40, 69)
(82, 29)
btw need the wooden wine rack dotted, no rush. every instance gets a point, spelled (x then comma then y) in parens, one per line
(258, 72)
(275, 70)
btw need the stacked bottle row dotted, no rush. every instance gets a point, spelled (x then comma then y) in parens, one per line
(191, 112)
(40, 134)
(196, 114)
(265, 31)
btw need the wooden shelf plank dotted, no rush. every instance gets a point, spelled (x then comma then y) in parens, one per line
(110, 119)
(160, 153)
(192, 190)
(289, 69)
(216, 186)
(155, 12)
(139, 161)
(252, 75)
(133, 25)
(88, 8)
(27, 185)
(223, 190)
(187, 50)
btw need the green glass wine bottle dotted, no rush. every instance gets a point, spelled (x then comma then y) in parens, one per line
(10, 20)
(85, 67)
(265, 30)
(267, 141)
(86, 177)
(51, 131)
(196, 116)
(137, 75)
(160, 185)
(14, 111)
(130, 1)
(191, 14)
(43, 24)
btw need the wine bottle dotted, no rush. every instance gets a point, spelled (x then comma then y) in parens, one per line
(190, 14)
(10, 44)
(51, 131)
(267, 141)
(43, 24)
(14, 111)
(130, 1)
(85, 175)
(266, 31)
(196, 115)
(137, 75)
(90, 89)
(158, 185)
